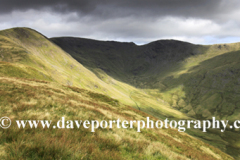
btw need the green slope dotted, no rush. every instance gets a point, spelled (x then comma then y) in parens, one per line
(172, 71)
(127, 62)
(38, 80)
(25, 48)
(200, 81)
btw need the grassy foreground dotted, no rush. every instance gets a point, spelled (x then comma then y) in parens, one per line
(29, 99)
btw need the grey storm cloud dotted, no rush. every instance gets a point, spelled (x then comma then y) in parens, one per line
(118, 8)
(141, 21)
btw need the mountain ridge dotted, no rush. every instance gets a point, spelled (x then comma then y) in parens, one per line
(151, 78)
(183, 75)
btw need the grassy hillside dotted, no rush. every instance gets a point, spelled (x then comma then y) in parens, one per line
(163, 79)
(127, 62)
(29, 99)
(200, 81)
(28, 52)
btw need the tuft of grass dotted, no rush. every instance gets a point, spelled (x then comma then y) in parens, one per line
(103, 98)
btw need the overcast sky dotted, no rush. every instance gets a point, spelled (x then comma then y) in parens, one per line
(139, 21)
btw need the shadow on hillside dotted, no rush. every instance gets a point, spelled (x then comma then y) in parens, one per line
(220, 74)
(212, 88)
(127, 62)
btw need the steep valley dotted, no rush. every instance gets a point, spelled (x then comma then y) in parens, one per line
(77, 77)
(200, 81)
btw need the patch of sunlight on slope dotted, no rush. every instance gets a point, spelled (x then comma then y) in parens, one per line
(208, 52)
(51, 60)
(142, 100)
(41, 54)
(207, 150)
(152, 105)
